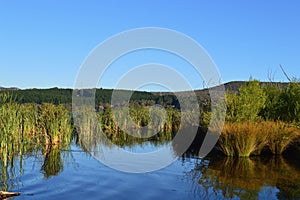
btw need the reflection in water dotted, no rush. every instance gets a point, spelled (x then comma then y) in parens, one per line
(245, 178)
(53, 163)
(219, 177)
(51, 158)
(11, 162)
(212, 178)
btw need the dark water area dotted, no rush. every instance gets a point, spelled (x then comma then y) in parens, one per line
(74, 173)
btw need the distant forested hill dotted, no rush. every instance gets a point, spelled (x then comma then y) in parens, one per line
(64, 96)
(103, 96)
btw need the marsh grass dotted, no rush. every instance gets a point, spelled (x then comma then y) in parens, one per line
(243, 139)
(117, 125)
(101, 127)
(281, 135)
(24, 128)
(55, 122)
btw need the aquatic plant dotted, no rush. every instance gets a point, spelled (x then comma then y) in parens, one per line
(26, 127)
(242, 139)
(280, 136)
(55, 122)
(250, 138)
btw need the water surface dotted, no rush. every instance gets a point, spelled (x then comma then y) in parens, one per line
(75, 174)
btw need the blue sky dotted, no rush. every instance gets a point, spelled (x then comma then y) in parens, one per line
(43, 43)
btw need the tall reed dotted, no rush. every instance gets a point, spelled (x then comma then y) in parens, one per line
(55, 122)
(24, 127)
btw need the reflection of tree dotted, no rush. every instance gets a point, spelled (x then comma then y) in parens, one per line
(245, 178)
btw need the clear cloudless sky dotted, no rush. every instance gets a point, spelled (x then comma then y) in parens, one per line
(43, 43)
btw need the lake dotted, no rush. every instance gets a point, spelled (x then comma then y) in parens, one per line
(73, 173)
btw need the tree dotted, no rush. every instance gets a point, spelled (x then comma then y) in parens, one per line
(288, 106)
(247, 104)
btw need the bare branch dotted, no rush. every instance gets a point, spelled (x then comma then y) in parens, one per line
(285, 74)
(270, 76)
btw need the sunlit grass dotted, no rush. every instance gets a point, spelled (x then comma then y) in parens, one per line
(280, 136)
(243, 139)
(55, 122)
(26, 127)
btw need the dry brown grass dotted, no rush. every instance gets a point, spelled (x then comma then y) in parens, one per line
(281, 135)
(247, 138)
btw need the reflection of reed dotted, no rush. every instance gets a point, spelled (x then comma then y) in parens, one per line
(245, 177)
(53, 162)
(95, 128)
(25, 129)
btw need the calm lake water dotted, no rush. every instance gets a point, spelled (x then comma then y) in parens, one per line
(75, 174)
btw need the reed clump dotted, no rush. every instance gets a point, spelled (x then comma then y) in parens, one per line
(115, 123)
(281, 135)
(243, 139)
(26, 127)
(55, 123)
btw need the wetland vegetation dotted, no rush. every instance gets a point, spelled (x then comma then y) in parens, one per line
(261, 119)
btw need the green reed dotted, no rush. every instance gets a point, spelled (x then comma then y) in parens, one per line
(116, 126)
(25, 127)
(55, 122)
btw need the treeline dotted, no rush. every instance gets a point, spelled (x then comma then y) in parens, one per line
(102, 97)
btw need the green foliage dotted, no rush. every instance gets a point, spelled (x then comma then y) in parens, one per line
(25, 127)
(289, 103)
(247, 104)
(102, 96)
(232, 101)
(55, 122)
(282, 103)
(244, 133)
(39, 96)
(44, 122)
(270, 110)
